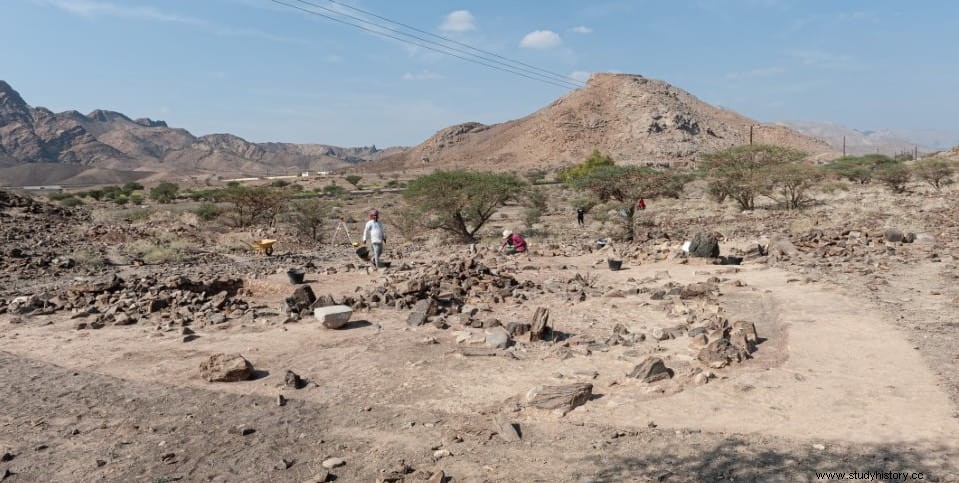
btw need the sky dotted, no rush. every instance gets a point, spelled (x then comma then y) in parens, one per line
(266, 71)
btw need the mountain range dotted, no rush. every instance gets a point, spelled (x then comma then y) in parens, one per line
(634, 119)
(40, 147)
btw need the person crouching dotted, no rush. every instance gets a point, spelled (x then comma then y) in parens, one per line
(513, 243)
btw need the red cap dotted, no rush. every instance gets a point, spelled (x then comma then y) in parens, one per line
(375, 213)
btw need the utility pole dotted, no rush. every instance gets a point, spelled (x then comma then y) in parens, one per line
(844, 146)
(750, 134)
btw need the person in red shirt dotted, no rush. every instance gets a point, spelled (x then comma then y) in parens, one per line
(513, 243)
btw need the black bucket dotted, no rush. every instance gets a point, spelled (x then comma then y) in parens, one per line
(615, 264)
(296, 275)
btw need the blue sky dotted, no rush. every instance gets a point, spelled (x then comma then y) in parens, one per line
(268, 72)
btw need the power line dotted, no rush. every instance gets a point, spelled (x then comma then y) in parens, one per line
(563, 84)
(562, 77)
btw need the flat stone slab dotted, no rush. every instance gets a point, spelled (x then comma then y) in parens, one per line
(334, 316)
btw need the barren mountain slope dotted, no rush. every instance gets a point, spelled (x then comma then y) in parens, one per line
(36, 144)
(632, 118)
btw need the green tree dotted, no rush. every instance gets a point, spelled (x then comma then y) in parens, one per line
(744, 173)
(461, 202)
(859, 169)
(594, 161)
(334, 190)
(164, 192)
(627, 184)
(353, 179)
(935, 171)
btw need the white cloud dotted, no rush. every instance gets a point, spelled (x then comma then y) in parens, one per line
(424, 75)
(91, 8)
(458, 21)
(541, 39)
(582, 30)
(761, 72)
(821, 59)
(580, 75)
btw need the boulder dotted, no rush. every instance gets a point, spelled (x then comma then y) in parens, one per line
(334, 316)
(302, 299)
(704, 245)
(894, 235)
(226, 368)
(560, 398)
(497, 338)
(652, 369)
(421, 310)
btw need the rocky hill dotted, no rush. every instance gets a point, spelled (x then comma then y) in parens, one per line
(38, 146)
(634, 119)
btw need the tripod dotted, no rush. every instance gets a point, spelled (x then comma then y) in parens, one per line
(341, 226)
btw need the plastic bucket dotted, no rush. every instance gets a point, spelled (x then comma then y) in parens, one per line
(296, 275)
(615, 264)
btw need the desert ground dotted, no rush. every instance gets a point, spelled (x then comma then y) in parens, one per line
(853, 365)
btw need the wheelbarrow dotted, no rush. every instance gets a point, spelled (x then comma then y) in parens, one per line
(264, 246)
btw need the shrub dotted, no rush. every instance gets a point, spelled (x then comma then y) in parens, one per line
(207, 211)
(531, 216)
(334, 190)
(136, 199)
(594, 161)
(859, 169)
(894, 176)
(71, 201)
(935, 171)
(280, 183)
(131, 187)
(794, 181)
(164, 192)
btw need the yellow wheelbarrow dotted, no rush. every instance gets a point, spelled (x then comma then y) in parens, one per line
(264, 246)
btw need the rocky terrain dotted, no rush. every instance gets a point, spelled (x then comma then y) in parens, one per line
(38, 146)
(782, 344)
(629, 117)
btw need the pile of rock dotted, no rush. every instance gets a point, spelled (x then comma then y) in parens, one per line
(112, 300)
(448, 285)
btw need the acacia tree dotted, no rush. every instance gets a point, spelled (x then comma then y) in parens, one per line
(627, 184)
(309, 216)
(353, 179)
(257, 204)
(794, 181)
(895, 176)
(744, 173)
(461, 202)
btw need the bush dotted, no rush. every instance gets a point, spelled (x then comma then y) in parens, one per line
(794, 181)
(121, 199)
(131, 187)
(164, 192)
(531, 216)
(136, 199)
(334, 190)
(594, 161)
(207, 211)
(935, 171)
(280, 183)
(894, 176)
(71, 201)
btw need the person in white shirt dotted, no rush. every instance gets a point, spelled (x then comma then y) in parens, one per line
(376, 235)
